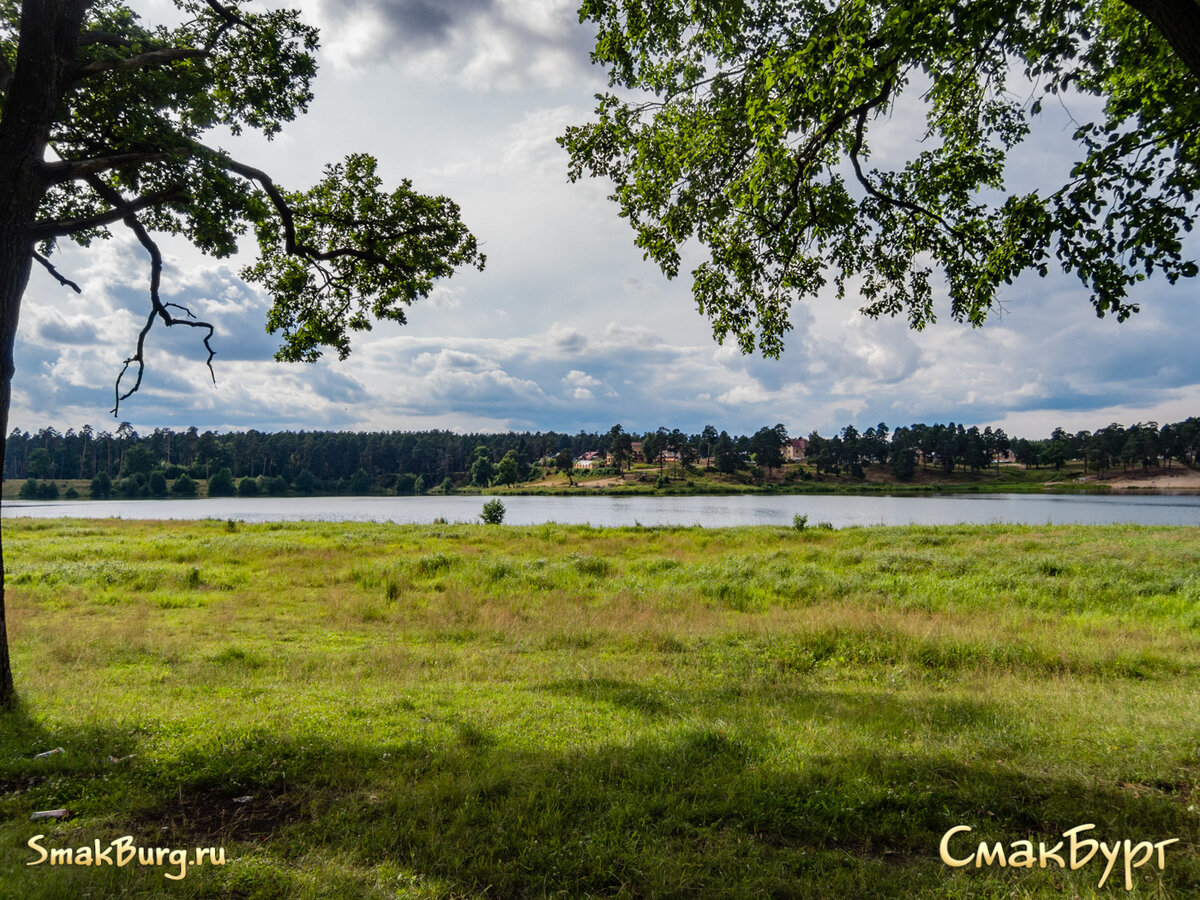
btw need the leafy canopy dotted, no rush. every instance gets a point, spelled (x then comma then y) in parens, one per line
(752, 135)
(129, 145)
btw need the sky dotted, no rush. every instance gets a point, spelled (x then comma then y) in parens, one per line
(567, 328)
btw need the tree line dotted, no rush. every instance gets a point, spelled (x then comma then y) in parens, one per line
(152, 463)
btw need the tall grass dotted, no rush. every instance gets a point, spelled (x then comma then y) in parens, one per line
(471, 711)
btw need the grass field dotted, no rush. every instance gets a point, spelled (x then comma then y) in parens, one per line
(357, 710)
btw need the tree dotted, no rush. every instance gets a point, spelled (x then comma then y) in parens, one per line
(709, 437)
(157, 483)
(565, 463)
(755, 132)
(767, 446)
(222, 484)
(103, 123)
(482, 469)
(493, 512)
(508, 471)
(620, 446)
(183, 486)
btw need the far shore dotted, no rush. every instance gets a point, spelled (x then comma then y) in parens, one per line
(789, 479)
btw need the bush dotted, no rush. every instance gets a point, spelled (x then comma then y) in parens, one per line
(306, 482)
(184, 486)
(406, 483)
(71, 494)
(247, 487)
(276, 486)
(101, 487)
(799, 521)
(29, 490)
(493, 512)
(222, 484)
(157, 484)
(360, 482)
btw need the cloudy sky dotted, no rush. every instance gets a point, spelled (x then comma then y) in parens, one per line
(567, 328)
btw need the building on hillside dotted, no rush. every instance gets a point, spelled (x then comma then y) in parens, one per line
(590, 460)
(796, 450)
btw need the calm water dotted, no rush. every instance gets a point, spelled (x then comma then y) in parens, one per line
(840, 510)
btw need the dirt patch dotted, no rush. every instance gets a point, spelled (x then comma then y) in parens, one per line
(214, 817)
(1173, 479)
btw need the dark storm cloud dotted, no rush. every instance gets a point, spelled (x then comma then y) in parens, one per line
(423, 22)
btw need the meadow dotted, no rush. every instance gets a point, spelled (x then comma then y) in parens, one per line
(466, 711)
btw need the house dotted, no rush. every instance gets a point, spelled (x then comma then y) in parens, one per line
(796, 450)
(590, 460)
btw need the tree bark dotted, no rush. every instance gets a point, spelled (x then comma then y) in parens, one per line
(49, 36)
(1178, 21)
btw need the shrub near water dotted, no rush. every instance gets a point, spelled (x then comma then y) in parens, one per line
(465, 711)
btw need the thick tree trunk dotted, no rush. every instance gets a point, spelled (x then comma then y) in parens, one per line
(48, 40)
(1178, 21)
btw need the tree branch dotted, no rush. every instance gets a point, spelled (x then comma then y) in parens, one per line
(70, 169)
(158, 309)
(140, 61)
(70, 226)
(879, 195)
(291, 244)
(63, 280)
(103, 37)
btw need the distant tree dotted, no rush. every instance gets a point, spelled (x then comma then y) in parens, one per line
(620, 446)
(40, 463)
(726, 455)
(481, 467)
(360, 482)
(709, 436)
(101, 486)
(904, 464)
(222, 484)
(137, 458)
(29, 490)
(183, 486)
(767, 447)
(157, 483)
(509, 469)
(406, 483)
(306, 482)
(565, 463)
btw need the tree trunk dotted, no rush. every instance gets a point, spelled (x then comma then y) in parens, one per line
(1178, 21)
(46, 49)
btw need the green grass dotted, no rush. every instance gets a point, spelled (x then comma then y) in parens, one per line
(472, 711)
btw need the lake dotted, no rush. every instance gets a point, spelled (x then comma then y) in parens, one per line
(741, 509)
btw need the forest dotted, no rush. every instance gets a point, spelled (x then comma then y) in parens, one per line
(126, 463)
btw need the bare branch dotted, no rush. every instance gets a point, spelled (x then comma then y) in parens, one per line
(70, 226)
(59, 277)
(70, 169)
(141, 61)
(158, 309)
